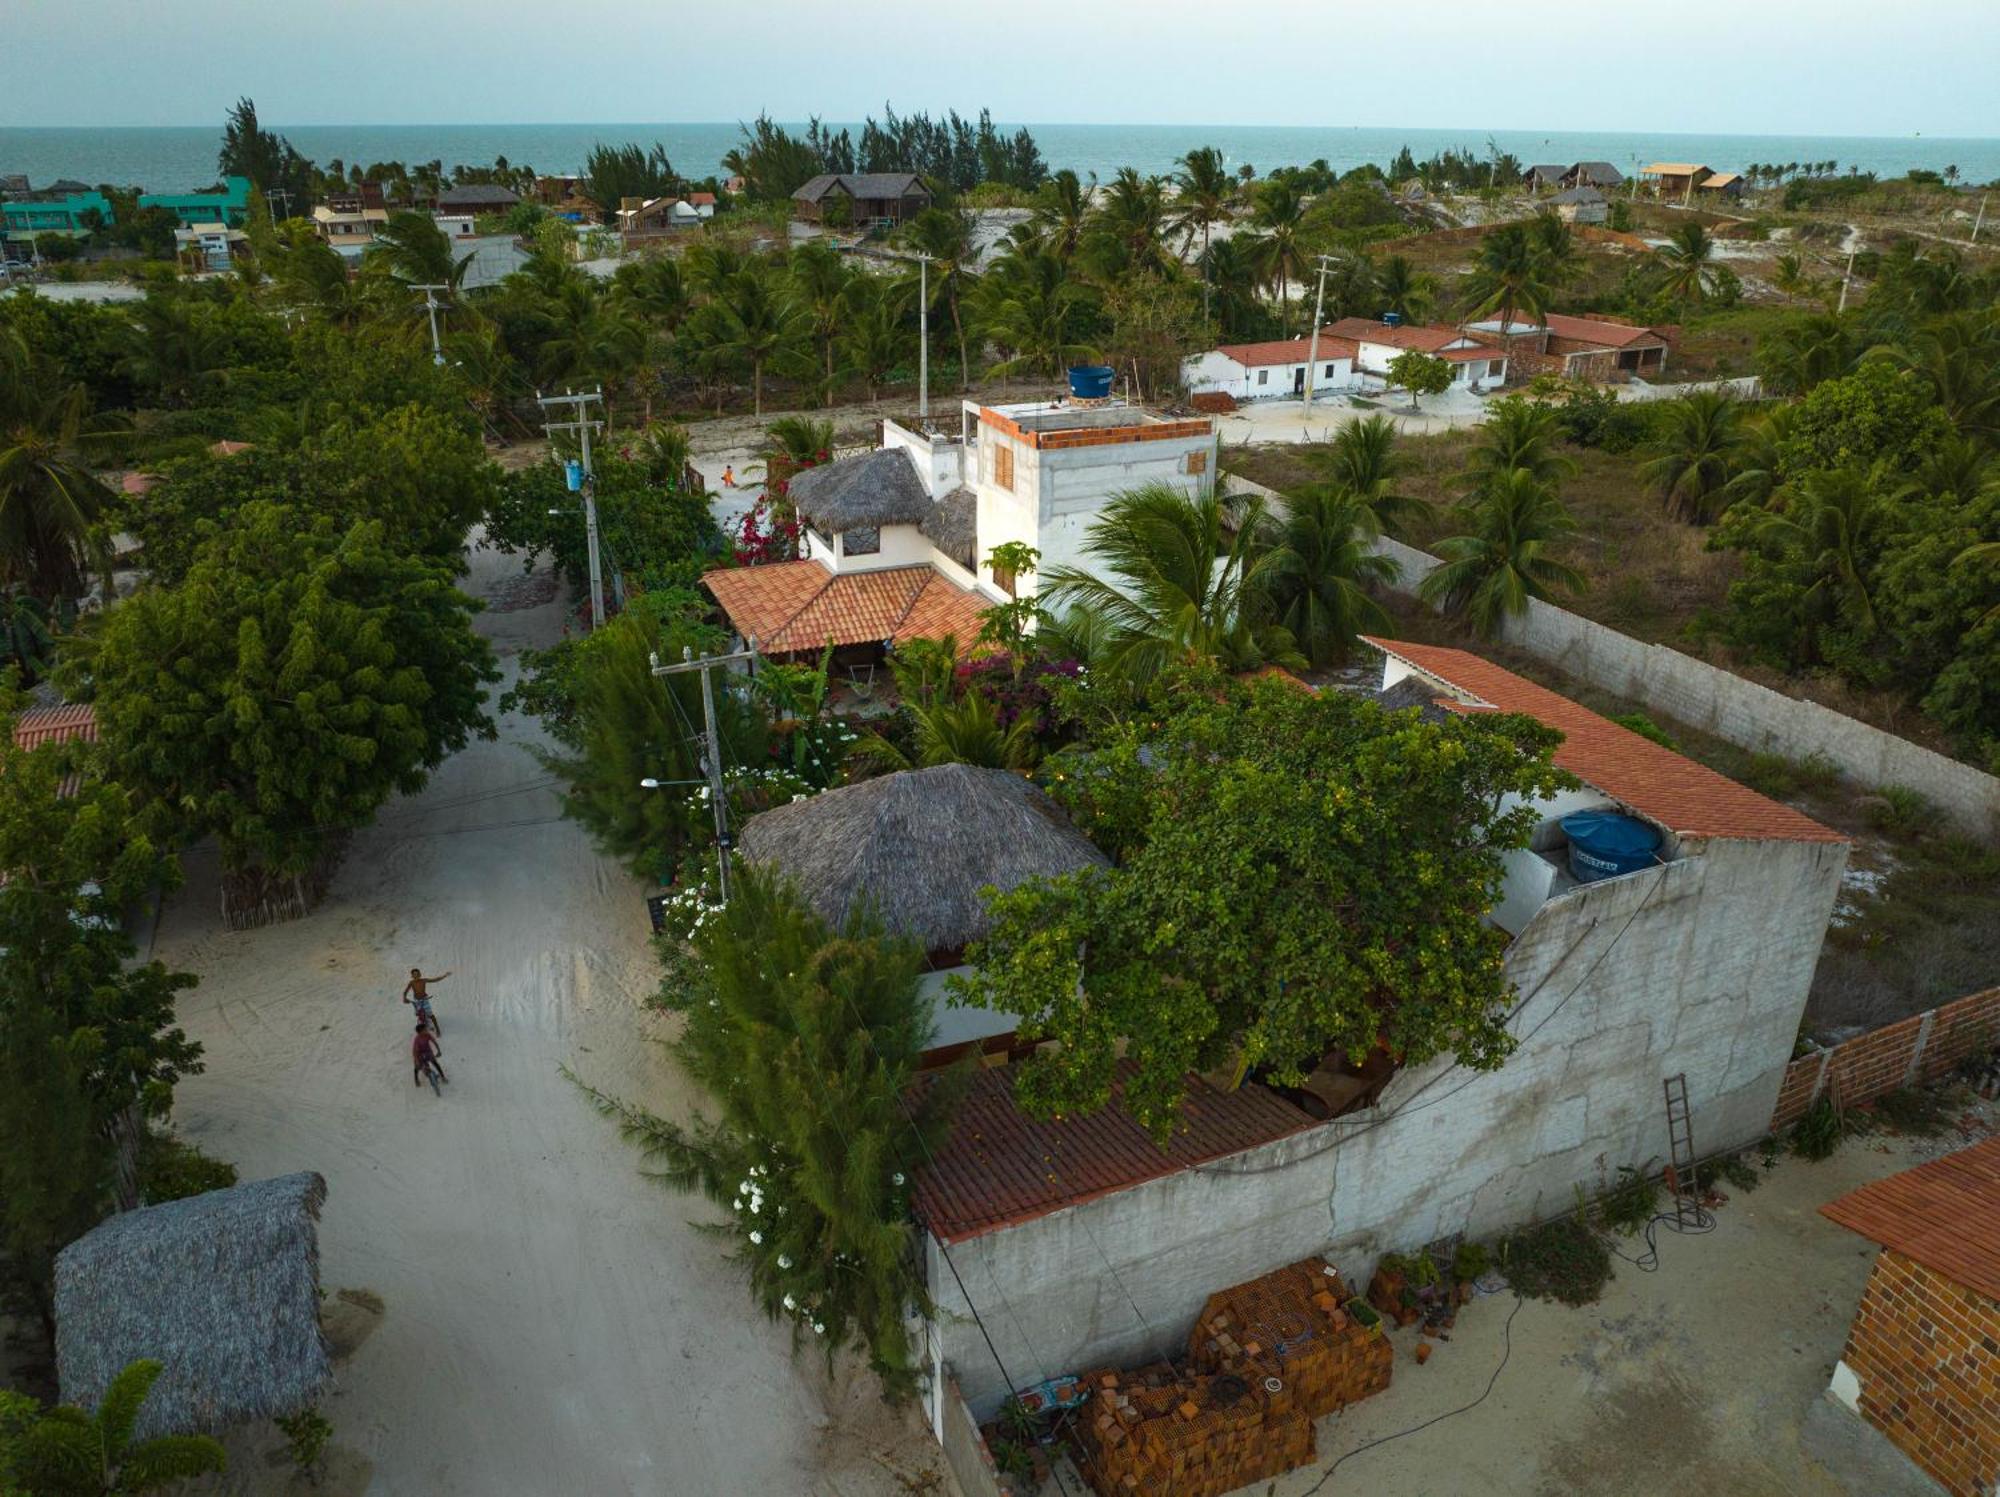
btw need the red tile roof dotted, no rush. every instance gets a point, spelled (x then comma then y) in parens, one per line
(1592, 330)
(1404, 335)
(791, 607)
(72, 722)
(1689, 799)
(1460, 355)
(1001, 1168)
(701, 200)
(1945, 1214)
(1287, 350)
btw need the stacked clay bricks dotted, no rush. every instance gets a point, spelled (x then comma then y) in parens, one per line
(1265, 1359)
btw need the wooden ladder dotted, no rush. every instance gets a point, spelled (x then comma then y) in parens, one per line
(1680, 1152)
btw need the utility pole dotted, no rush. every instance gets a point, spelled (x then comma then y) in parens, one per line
(1846, 277)
(1980, 220)
(431, 306)
(270, 201)
(711, 767)
(579, 402)
(923, 334)
(1312, 348)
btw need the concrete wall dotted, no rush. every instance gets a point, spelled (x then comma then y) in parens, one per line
(939, 461)
(902, 546)
(1699, 966)
(1661, 679)
(964, 1451)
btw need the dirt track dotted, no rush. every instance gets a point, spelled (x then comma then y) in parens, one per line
(551, 1322)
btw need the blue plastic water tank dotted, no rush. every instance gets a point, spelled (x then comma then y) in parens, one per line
(1091, 381)
(1392, 319)
(1604, 844)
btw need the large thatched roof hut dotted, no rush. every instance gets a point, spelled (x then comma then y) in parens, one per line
(862, 492)
(920, 844)
(221, 1288)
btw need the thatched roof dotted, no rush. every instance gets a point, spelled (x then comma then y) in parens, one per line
(953, 525)
(221, 1288)
(1412, 691)
(920, 844)
(861, 492)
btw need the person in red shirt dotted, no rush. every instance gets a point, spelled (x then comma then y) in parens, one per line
(423, 1052)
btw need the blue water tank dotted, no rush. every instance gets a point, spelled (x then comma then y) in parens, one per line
(1604, 844)
(1392, 319)
(1091, 381)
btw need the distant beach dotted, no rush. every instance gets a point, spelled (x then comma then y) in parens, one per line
(182, 158)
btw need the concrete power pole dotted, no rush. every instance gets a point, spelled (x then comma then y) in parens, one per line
(1846, 278)
(718, 794)
(1980, 221)
(579, 402)
(1312, 348)
(923, 334)
(431, 306)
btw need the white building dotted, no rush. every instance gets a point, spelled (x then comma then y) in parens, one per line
(212, 245)
(456, 224)
(1697, 965)
(1258, 371)
(1377, 344)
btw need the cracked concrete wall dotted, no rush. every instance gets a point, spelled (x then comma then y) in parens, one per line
(1698, 966)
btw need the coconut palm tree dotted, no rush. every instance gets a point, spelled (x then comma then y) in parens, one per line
(1279, 218)
(173, 348)
(412, 249)
(1790, 276)
(1399, 287)
(1517, 434)
(1034, 309)
(1203, 191)
(1686, 263)
(655, 288)
(1316, 571)
(1510, 275)
(755, 323)
(1124, 235)
(1178, 585)
(1231, 272)
(819, 278)
(876, 336)
(1831, 523)
(1061, 209)
(1502, 558)
(945, 234)
(1958, 355)
(1700, 444)
(1759, 478)
(491, 378)
(1556, 243)
(965, 730)
(1807, 351)
(1363, 464)
(50, 501)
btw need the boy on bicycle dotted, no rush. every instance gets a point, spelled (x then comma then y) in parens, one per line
(424, 1053)
(416, 992)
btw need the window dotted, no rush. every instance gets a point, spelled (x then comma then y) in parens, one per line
(1329, 372)
(860, 542)
(1197, 462)
(1003, 466)
(1263, 376)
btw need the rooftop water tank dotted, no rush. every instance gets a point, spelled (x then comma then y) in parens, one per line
(1392, 319)
(1091, 381)
(1604, 844)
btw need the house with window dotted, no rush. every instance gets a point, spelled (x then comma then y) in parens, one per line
(1475, 365)
(1676, 180)
(1599, 349)
(1581, 205)
(861, 199)
(208, 247)
(476, 198)
(1722, 185)
(70, 214)
(1693, 957)
(349, 221)
(1258, 371)
(229, 205)
(1599, 174)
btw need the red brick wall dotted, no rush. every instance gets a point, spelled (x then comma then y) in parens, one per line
(1922, 1047)
(1923, 1350)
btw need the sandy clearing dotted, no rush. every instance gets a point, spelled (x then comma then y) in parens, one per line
(552, 1322)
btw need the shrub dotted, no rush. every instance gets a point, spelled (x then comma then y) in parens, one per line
(1645, 727)
(171, 1169)
(1820, 1131)
(1630, 1203)
(1899, 809)
(1919, 1112)
(1470, 1261)
(1565, 1260)
(1733, 1170)
(306, 1433)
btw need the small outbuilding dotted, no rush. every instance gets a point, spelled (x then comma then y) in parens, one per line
(1920, 1365)
(222, 1289)
(1677, 179)
(1599, 174)
(1581, 205)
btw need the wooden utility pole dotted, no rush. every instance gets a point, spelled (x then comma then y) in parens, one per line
(718, 793)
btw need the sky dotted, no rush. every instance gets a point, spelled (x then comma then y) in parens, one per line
(1822, 67)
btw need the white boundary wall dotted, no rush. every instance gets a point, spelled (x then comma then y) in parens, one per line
(1662, 679)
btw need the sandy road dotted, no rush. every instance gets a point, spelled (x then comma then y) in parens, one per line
(553, 1323)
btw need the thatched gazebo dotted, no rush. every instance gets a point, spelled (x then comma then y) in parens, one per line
(920, 844)
(221, 1288)
(862, 492)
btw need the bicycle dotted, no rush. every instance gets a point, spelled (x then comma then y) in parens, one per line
(429, 1070)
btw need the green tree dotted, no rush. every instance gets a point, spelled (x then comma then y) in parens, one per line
(961, 730)
(1686, 263)
(1231, 276)
(50, 500)
(1124, 234)
(1318, 569)
(613, 173)
(1420, 373)
(1517, 433)
(1061, 210)
(813, 1160)
(1011, 625)
(1363, 464)
(264, 156)
(945, 234)
(876, 337)
(175, 349)
(296, 679)
(67, 1452)
(1877, 414)
(756, 324)
(1402, 290)
(1295, 873)
(819, 282)
(412, 250)
(1501, 559)
(1180, 584)
(1278, 218)
(1697, 454)
(1807, 593)
(1510, 275)
(1032, 309)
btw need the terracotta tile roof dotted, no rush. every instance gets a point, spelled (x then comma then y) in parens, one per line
(72, 722)
(701, 199)
(1945, 1214)
(791, 607)
(1483, 351)
(1000, 1168)
(1594, 330)
(1689, 799)
(1287, 350)
(1403, 335)
(1672, 169)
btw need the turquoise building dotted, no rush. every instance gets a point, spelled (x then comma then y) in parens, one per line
(22, 219)
(230, 206)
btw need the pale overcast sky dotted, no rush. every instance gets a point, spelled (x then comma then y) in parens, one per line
(1828, 67)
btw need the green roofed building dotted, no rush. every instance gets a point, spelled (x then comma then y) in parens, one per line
(230, 206)
(21, 219)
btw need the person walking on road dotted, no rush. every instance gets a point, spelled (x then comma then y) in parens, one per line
(416, 992)
(424, 1056)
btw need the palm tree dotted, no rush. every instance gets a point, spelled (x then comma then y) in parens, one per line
(945, 234)
(1400, 288)
(67, 1452)
(1123, 236)
(1958, 355)
(1182, 589)
(1317, 570)
(1203, 191)
(1510, 275)
(1517, 434)
(876, 337)
(1807, 351)
(488, 372)
(1556, 243)
(1697, 454)
(1036, 310)
(756, 324)
(1062, 206)
(1831, 523)
(173, 347)
(655, 288)
(50, 501)
(1363, 464)
(1279, 218)
(1790, 276)
(819, 278)
(965, 731)
(1686, 263)
(415, 251)
(1759, 479)
(1231, 272)
(1501, 561)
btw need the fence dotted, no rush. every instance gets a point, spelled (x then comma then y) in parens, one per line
(965, 1449)
(1923, 1047)
(1716, 701)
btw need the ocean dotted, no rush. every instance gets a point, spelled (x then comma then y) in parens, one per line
(182, 158)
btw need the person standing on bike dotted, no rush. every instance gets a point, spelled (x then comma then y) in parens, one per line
(416, 992)
(423, 1055)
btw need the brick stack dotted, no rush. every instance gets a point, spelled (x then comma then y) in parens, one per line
(1265, 1359)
